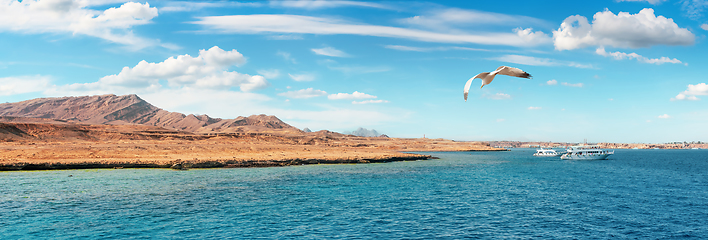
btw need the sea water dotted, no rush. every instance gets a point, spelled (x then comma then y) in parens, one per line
(644, 194)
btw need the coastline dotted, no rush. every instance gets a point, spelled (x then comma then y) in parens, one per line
(219, 153)
(184, 165)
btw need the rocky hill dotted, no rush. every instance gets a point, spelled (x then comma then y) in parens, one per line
(132, 110)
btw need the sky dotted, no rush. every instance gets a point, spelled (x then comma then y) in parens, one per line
(630, 71)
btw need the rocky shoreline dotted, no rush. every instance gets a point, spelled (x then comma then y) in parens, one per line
(184, 165)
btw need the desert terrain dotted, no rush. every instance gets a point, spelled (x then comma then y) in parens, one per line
(111, 131)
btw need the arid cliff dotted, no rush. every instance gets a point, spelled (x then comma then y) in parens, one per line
(132, 110)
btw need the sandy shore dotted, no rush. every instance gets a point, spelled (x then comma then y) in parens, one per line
(216, 152)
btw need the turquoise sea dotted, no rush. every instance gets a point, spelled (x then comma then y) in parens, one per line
(647, 194)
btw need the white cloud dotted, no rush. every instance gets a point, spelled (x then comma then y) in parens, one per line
(534, 61)
(208, 70)
(682, 96)
(349, 96)
(534, 38)
(302, 77)
(297, 24)
(643, 29)
(409, 48)
(704, 26)
(501, 120)
(286, 37)
(700, 89)
(620, 56)
(269, 73)
(23, 84)
(179, 6)
(572, 84)
(665, 116)
(534, 108)
(430, 49)
(455, 17)
(498, 96)
(653, 2)
(552, 82)
(369, 101)
(76, 18)
(329, 51)
(318, 4)
(303, 93)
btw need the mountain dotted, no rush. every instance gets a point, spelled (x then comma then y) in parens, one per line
(131, 109)
(363, 132)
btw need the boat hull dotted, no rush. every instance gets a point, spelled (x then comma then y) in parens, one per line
(585, 157)
(547, 155)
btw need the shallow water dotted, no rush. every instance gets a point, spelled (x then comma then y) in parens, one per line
(634, 194)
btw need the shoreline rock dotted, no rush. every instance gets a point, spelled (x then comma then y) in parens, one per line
(185, 165)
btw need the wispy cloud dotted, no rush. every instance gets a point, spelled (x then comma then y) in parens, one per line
(302, 77)
(620, 56)
(369, 101)
(692, 91)
(352, 69)
(286, 56)
(298, 24)
(572, 84)
(269, 73)
(704, 26)
(329, 51)
(497, 96)
(319, 4)
(285, 37)
(654, 2)
(534, 108)
(534, 61)
(552, 82)
(350, 96)
(186, 6)
(664, 116)
(458, 18)
(303, 93)
(694, 9)
(431, 49)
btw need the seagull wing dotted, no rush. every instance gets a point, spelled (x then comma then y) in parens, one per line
(511, 71)
(469, 82)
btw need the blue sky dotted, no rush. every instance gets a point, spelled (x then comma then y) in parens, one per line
(606, 71)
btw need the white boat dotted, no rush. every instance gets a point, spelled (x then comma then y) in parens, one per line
(547, 153)
(586, 152)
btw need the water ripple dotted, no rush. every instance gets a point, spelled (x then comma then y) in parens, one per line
(636, 194)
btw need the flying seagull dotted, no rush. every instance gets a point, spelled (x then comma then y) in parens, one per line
(487, 77)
